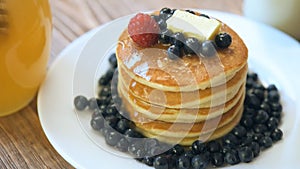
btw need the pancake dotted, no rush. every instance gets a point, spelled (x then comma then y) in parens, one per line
(185, 99)
(187, 141)
(152, 67)
(192, 99)
(188, 128)
(179, 115)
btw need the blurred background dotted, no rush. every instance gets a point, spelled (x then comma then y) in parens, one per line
(72, 18)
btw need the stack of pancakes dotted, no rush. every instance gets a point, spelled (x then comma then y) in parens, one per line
(180, 101)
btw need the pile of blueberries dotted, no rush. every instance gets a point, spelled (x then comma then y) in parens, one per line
(257, 130)
(180, 44)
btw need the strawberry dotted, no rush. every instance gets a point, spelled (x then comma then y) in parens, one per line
(143, 30)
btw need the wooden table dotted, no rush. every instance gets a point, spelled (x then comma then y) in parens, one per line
(23, 143)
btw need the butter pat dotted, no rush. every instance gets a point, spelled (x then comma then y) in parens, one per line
(192, 25)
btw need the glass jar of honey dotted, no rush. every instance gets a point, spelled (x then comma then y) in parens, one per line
(25, 37)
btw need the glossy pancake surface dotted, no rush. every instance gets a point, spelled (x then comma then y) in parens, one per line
(191, 127)
(180, 115)
(193, 99)
(187, 141)
(152, 67)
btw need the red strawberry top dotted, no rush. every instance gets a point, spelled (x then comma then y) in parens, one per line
(143, 30)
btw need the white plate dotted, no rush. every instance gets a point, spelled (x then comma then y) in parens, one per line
(272, 54)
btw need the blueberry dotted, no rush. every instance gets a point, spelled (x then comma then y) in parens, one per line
(255, 148)
(217, 159)
(245, 154)
(122, 145)
(208, 49)
(267, 133)
(249, 83)
(272, 123)
(190, 11)
(250, 133)
(191, 46)
(105, 91)
(198, 147)
(246, 141)
(154, 151)
(131, 135)
(252, 101)
(259, 93)
(148, 160)
(103, 101)
(265, 106)
(105, 130)
(97, 122)
(174, 52)
(162, 24)
(200, 161)
(258, 86)
(273, 96)
(113, 61)
(123, 125)
(160, 162)
(223, 40)
(183, 162)
(276, 114)
(261, 117)
(252, 75)
(177, 150)
(172, 161)
(189, 153)
(204, 15)
(257, 137)
(93, 103)
(232, 157)
(111, 110)
(230, 140)
(112, 138)
(276, 107)
(140, 153)
(80, 102)
(239, 131)
(213, 146)
(149, 143)
(103, 81)
(97, 112)
(226, 148)
(165, 36)
(106, 78)
(260, 128)
(165, 11)
(266, 142)
(111, 121)
(136, 149)
(178, 39)
(276, 135)
(247, 122)
(272, 87)
(249, 112)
